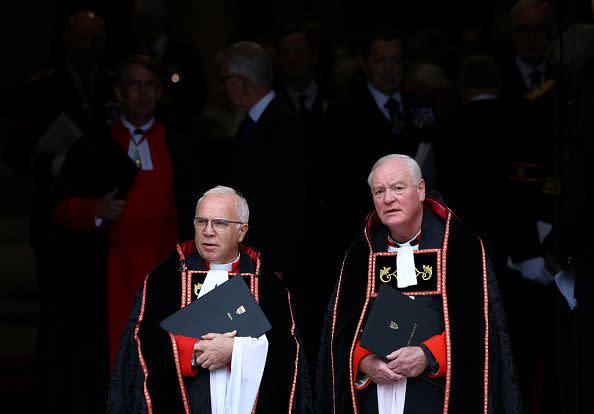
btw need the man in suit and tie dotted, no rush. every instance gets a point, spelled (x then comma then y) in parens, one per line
(527, 68)
(377, 118)
(270, 167)
(297, 58)
(270, 142)
(297, 85)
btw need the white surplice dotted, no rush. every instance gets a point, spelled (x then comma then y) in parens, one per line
(391, 397)
(234, 391)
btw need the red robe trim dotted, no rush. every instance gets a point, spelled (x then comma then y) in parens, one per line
(185, 345)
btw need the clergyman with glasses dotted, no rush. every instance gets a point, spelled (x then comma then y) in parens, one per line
(218, 373)
(417, 246)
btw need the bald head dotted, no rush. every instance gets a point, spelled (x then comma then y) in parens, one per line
(247, 59)
(534, 11)
(532, 22)
(84, 37)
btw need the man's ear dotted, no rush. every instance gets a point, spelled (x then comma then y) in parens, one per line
(422, 189)
(243, 229)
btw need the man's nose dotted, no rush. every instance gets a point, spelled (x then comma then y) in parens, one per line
(389, 196)
(209, 230)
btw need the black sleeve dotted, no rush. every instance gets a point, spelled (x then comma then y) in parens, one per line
(286, 373)
(323, 388)
(504, 392)
(126, 390)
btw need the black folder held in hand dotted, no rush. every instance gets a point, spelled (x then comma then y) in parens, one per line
(230, 306)
(397, 321)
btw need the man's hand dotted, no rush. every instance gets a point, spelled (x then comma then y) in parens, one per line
(214, 350)
(409, 361)
(377, 370)
(109, 208)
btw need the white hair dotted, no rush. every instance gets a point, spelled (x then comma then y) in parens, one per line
(413, 167)
(248, 59)
(241, 206)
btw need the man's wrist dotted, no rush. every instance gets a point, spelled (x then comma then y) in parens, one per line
(432, 364)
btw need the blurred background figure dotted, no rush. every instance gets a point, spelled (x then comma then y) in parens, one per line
(179, 64)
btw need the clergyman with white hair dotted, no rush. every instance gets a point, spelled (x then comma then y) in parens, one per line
(219, 373)
(416, 245)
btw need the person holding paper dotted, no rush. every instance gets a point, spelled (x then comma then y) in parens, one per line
(159, 372)
(416, 245)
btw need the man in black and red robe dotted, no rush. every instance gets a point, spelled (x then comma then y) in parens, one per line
(115, 218)
(160, 372)
(430, 256)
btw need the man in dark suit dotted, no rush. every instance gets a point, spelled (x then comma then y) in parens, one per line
(300, 88)
(268, 167)
(374, 121)
(270, 142)
(78, 91)
(477, 141)
(527, 68)
(297, 60)
(297, 85)
(528, 82)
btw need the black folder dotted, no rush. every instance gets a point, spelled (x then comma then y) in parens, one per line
(230, 306)
(397, 321)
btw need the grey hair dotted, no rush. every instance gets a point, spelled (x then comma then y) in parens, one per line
(248, 59)
(413, 167)
(241, 206)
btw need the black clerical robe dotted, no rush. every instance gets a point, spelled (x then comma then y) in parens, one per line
(148, 376)
(480, 374)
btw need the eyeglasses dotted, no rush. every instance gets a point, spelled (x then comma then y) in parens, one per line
(217, 224)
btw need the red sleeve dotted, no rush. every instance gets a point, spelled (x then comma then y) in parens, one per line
(358, 355)
(185, 349)
(437, 346)
(76, 213)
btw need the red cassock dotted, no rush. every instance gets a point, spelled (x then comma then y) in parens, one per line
(141, 237)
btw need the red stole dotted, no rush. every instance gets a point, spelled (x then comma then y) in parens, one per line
(144, 234)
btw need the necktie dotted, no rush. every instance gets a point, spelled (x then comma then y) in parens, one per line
(245, 128)
(395, 116)
(302, 107)
(535, 79)
(137, 140)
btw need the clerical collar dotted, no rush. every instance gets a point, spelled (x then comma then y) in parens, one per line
(132, 128)
(231, 267)
(257, 110)
(412, 242)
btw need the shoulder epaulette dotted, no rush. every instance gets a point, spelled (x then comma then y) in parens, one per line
(43, 74)
(541, 90)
